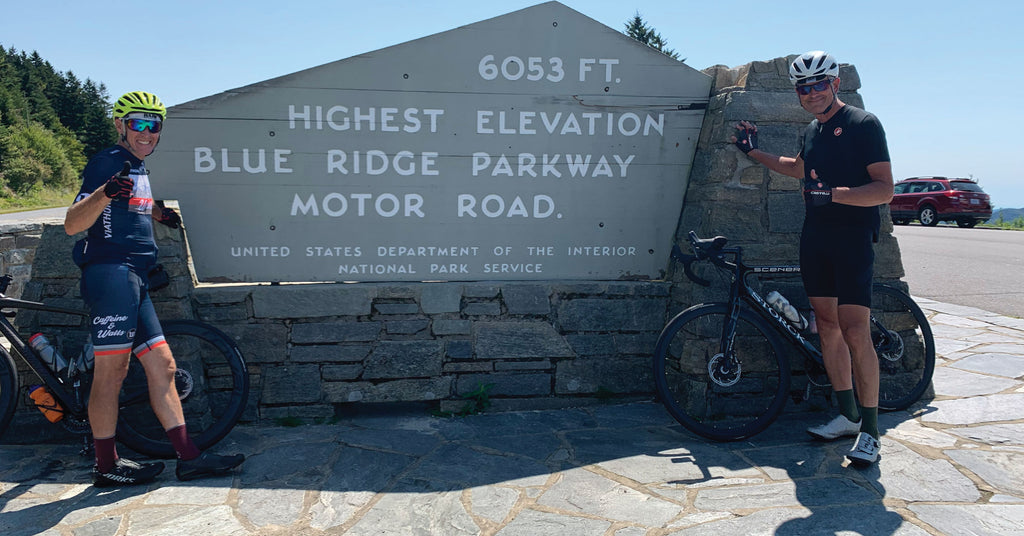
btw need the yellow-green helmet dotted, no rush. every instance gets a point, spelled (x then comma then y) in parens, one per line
(139, 101)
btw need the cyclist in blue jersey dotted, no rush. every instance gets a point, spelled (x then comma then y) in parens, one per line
(844, 163)
(115, 206)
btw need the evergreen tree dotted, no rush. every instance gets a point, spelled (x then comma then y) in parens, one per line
(50, 122)
(638, 29)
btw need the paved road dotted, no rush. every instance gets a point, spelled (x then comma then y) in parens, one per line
(45, 214)
(954, 465)
(981, 268)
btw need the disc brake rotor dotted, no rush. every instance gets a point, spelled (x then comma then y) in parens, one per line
(724, 371)
(892, 349)
(183, 383)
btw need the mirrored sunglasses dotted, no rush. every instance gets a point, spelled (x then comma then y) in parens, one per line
(819, 86)
(139, 125)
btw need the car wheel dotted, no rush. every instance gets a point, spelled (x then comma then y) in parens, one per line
(967, 223)
(928, 216)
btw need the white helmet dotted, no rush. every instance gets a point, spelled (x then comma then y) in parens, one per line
(812, 67)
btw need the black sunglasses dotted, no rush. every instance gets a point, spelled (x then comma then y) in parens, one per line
(819, 86)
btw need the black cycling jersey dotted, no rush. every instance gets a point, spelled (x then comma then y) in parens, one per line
(123, 234)
(840, 151)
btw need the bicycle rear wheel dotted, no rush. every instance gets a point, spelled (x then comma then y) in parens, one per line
(212, 382)
(8, 390)
(721, 397)
(905, 347)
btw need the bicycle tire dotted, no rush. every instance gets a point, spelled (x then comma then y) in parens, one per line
(687, 351)
(906, 359)
(213, 383)
(8, 390)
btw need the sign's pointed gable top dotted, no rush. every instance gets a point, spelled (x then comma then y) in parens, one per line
(546, 26)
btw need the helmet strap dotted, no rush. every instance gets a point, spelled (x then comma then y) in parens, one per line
(835, 97)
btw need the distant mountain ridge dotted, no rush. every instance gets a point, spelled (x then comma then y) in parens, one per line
(1008, 214)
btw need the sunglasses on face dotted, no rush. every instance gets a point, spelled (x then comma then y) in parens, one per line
(140, 125)
(819, 86)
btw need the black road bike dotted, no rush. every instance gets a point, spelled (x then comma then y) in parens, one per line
(211, 379)
(722, 370)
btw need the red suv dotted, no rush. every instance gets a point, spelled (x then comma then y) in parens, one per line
(935, 199)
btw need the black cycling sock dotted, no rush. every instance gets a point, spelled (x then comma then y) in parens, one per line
(848, 405)
(869, 424)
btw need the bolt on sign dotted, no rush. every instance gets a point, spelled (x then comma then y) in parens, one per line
(537, 145)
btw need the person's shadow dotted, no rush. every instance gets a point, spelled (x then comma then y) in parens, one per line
(40, 517)
(841, 498)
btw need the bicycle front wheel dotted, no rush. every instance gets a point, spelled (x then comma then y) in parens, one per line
(8, 390)
(212, 383)
(721, 396)
(905, 347)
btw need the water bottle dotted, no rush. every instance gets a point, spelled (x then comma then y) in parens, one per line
(88, 357)
(48, 352)
(784, 308)
(46, 403)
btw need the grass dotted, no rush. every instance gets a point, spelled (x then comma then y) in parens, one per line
(36, 200)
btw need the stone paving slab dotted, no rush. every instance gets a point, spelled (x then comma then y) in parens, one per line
(954, 464)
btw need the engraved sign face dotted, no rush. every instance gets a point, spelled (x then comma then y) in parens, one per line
(538, 145)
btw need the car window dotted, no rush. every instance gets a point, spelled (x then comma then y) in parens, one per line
(900, 188)
(935, 187)
(917, 187)
(966, 187)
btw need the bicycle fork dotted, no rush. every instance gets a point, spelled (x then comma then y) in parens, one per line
(725, 370)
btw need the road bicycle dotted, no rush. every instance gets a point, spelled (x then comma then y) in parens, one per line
(722, 368)
(211, 379)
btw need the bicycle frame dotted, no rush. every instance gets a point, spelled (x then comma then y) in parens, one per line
(741, 290)
(768, 311)
(55, 384)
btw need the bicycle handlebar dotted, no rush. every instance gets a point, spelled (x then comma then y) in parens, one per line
(709, 249)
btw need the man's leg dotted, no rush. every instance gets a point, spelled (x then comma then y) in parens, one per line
(160, 367)
(855, 322)
(110, 469)
(834, 350)
(836, 357)
(108, 374)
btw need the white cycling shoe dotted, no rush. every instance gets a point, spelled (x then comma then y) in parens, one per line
(834, 429)
(864, 451)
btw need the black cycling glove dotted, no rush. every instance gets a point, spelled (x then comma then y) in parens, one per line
(746, 137)
(168, 217)
(817, 193)
(120, 186)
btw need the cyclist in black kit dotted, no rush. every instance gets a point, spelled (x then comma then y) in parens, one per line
(844, 163)
(115, 205)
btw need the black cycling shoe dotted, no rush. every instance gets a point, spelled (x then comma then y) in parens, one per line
(207, 464)
(126, 473)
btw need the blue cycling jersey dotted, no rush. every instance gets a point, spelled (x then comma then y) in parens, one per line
(123, 234)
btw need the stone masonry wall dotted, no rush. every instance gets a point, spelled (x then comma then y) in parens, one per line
(314, 349)
(18, 242)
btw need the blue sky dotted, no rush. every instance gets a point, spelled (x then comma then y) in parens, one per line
(943, 76)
